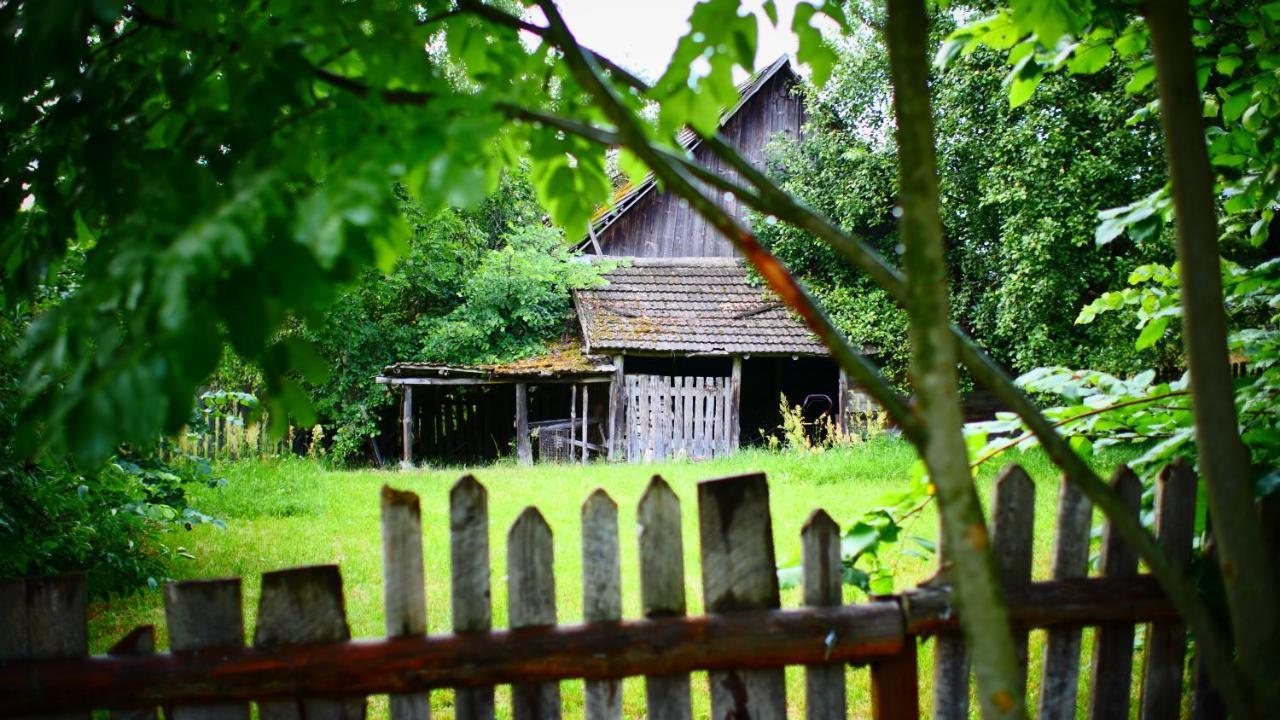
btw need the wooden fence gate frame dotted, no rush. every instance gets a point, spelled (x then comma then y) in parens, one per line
(303, 663)
(667, 416)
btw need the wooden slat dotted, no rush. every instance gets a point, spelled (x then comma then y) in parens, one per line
(403, 587)
(739, 573)
(406, 429)
(601, 592)
(1113, 644)
(140, 642)
(662, 588)
(531, 602)
(524, 448)
(205, 615)
(573, 419)
(895, 693)
(734, 414)
(820, 541)
(1166, 642)
(686, 400)
(1060, 678)
(469, 588)
(1012, 538)
(44, 618)
(300, 606)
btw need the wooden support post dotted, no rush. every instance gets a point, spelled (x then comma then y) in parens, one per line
(735, 404)
(573, 420)
(44, 618)
(895, 693)
(662, 589)
(406, 421)
(739, 573)
(524, 451)
(586, 421)
(616, 423)
(842, 403)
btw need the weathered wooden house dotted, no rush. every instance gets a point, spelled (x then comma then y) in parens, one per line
(680, 354)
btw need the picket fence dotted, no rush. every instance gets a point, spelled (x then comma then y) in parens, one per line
(694, 417)
(303, 663)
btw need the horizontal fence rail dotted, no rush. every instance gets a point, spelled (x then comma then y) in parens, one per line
(302, 662)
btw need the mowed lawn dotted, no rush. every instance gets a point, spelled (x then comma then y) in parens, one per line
(287, 513)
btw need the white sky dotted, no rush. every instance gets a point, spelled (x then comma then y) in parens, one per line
(640, 35)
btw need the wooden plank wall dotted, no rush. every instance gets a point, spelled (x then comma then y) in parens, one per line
(678, 416)
(663, 225)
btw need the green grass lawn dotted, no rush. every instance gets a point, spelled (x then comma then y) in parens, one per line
(286, 513)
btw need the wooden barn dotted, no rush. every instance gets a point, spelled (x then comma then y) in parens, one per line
(679, 354)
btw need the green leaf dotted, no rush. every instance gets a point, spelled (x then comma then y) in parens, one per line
(1090, 59)
(1227, 64)
(1142, 77)
(1236, 104)
(1151, 333)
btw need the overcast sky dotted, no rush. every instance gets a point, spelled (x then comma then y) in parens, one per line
(640, 35)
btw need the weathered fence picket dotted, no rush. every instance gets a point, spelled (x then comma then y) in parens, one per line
(1166, 642)
(1060, 679)
(1113, 642)
(1012, 537)
(302, 664)
(601, 592)
(469, 598)
(531, 602)
(403, 587)
(662, 589)
(824, 695)
(739, 573)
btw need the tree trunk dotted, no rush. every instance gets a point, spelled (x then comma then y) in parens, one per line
(983, 615)
(1243, 555)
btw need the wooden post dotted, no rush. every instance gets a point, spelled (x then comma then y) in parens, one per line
(739, 573)
(406, 430)
(44, 618)
(531, 602)
(601, 592)
(842, 402)
(1166, 642)
(617, 420)
(299, 606)
(573, 419)
(524, 451)
(1012, 536)
(404, 593)
(141, 641)
(735, 404)
(469, 598)
(1060, 678)
(662, 589)
(205, 615)
(895, 689)
(586, 421)
(824, 684)
(1113, 643)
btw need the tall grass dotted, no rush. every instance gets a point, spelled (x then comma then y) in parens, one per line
(290, 511)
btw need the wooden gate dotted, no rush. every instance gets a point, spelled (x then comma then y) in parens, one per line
(670, 416)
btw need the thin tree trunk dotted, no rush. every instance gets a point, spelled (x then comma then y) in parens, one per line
(1224, 461)
(980, 602)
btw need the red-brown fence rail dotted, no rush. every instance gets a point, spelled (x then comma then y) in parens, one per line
(302, 662)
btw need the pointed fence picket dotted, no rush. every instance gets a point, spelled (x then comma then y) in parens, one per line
(303, 663)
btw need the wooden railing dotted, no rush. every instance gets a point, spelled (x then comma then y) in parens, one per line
(302, 662)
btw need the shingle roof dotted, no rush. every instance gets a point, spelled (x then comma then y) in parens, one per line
(689, 305)
(561, 359)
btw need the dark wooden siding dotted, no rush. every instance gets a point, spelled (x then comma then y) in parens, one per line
(663, 225)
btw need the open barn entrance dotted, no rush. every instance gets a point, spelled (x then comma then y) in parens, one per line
(813, 383)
